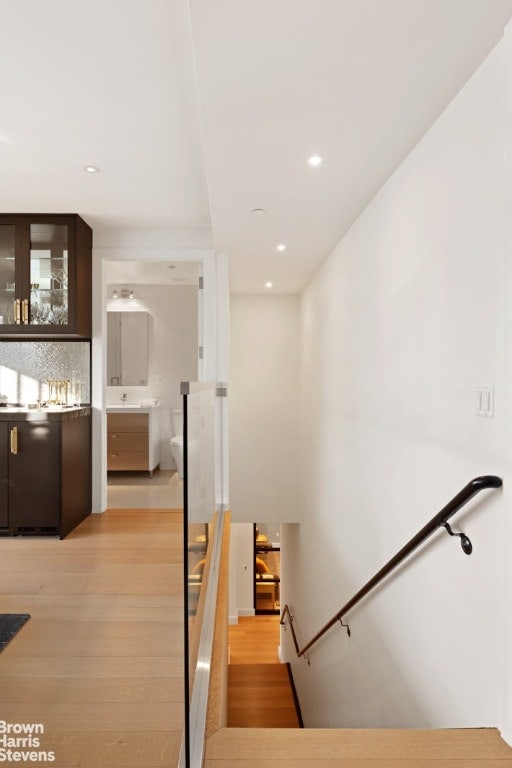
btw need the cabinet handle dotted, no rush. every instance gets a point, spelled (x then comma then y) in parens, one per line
(14, 440)
(25, 311)
(17, 311)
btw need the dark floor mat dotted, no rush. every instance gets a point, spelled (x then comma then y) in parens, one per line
(10, 623)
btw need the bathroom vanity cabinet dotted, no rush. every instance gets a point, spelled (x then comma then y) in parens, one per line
(45, 470)
(45, 276)
(133, 438)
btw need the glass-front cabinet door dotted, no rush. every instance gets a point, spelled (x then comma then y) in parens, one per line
(49, 264)
(7, 274)
(45, 275)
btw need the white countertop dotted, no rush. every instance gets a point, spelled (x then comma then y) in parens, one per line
(130, 408)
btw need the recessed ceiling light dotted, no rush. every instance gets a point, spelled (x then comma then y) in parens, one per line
(268, 284)
(258, 211)
(315, 160)
(91, 169)
(281, 247)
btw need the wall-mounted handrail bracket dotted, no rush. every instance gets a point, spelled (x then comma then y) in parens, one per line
(345, 626)
(287, 614)
(465, 543)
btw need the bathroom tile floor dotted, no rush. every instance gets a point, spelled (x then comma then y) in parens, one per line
(136, 490)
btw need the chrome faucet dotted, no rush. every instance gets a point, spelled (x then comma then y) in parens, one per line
(124, 398)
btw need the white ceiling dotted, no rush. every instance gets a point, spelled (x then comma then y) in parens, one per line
(198, 112)
(125, 274)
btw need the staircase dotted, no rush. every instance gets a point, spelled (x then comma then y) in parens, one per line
(263, 725)
(261, 696)
(251, 745)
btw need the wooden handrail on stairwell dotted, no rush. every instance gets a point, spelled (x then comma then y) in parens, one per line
(438, 521)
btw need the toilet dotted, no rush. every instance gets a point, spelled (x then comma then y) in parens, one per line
(177, 439)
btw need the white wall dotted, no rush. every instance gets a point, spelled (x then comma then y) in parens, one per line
(398, 327)
(507, 491)
(263, 407)
(241, 571)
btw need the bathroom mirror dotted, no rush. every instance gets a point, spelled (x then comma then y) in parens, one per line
(127, 349)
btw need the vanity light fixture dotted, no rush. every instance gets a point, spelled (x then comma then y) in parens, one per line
(315, 160)
(91, 169)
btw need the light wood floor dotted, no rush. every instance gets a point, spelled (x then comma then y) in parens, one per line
(100, 662)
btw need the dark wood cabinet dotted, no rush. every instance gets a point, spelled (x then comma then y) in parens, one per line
(45, 276)
(4, 476)
(45, 474)
(34, 474)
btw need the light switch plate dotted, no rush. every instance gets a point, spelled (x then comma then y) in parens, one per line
(484, 400)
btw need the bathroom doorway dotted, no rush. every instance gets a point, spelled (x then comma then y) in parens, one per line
(167, 297)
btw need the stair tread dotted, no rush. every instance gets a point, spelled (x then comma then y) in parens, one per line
(360, 744)
(260, 696)
(263, 672)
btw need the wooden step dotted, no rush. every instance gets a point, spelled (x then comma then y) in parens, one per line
(254, 640)
(260, 696)
(357, 748)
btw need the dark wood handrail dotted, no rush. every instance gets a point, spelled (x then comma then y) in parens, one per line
(439, 520)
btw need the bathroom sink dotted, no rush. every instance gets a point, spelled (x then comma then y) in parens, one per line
(122, 406)
(131, 406)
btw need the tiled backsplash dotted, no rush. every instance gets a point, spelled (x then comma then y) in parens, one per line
(26, 366)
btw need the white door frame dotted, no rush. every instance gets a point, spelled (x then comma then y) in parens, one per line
(209, 331)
